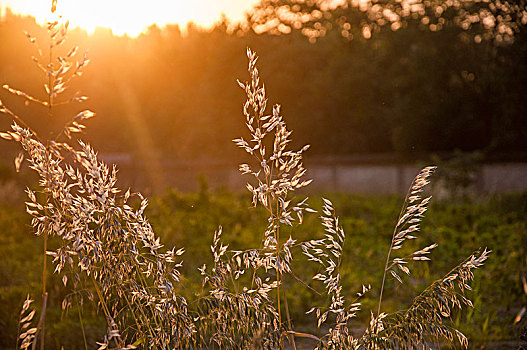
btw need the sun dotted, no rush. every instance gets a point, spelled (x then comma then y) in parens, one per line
(131, 17)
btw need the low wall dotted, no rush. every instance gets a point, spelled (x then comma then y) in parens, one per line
(346, 178)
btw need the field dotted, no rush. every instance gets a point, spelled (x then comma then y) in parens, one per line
(189, 220)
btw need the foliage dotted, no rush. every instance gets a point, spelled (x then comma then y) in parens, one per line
(456, 227)
(343, 97)
(497, 21)
(181, 218)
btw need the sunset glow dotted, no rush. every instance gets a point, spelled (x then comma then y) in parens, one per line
(132, 16)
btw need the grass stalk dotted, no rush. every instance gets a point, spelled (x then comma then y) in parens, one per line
(386, 268)
(289, 323)
(384, 276)
(44, 292)
(82, 327)
(44, 265)
(41, 321)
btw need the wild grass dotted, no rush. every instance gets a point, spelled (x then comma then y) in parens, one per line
(108, 252)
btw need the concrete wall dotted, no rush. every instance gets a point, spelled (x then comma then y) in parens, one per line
(347, 178)
(499, 178)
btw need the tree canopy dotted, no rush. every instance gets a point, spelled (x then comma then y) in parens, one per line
(429, 77)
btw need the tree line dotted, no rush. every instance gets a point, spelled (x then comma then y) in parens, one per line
(407, 89)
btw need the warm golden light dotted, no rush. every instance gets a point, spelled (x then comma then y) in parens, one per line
(132, 16)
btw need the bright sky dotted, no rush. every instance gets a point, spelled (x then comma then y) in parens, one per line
(132, 16)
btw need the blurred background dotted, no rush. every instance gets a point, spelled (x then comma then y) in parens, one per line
(376, 88)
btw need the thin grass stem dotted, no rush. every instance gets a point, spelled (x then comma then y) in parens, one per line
(82, 327)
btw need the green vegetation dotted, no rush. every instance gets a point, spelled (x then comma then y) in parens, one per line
(189, 220)
(499, 223)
